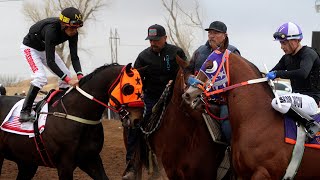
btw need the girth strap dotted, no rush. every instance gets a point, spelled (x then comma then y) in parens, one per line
(74, 118)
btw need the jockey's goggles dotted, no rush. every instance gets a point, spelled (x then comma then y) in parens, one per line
(75, 24)
(281, 36)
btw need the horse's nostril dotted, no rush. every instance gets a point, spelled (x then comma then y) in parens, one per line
(187, 95)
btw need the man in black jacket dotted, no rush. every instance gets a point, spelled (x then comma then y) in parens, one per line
(38, 48)
(160, 59)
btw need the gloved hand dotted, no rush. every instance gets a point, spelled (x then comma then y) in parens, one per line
(271, 75)
(79, 76)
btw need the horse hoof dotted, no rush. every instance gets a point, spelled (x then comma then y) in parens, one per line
(129, 176)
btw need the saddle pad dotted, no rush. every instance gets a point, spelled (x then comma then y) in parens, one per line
(11, 122)
(291, 133)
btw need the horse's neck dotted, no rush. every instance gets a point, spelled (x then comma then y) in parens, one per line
(178, 88)
(247, 102)
(97, 87)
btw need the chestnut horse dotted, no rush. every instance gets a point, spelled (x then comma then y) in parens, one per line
(258, 147)
(70, 143)
(182, 142)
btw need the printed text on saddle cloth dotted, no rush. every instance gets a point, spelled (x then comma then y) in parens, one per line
(306, 103)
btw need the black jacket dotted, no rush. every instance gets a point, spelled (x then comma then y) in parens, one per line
(45, 35)
(162, 67)
(303, 70)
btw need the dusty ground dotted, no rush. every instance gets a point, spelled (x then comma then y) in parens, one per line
(113, 157)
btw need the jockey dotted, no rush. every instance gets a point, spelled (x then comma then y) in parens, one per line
(300, 64)
(38, 49)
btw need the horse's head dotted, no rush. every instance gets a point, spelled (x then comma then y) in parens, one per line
(212, 76)
(125, 96)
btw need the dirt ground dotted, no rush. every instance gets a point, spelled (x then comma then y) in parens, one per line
(113, 157)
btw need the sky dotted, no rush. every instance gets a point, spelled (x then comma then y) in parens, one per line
(250, 23)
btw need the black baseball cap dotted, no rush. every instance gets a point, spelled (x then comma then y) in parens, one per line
(155, 32)
(217, 26)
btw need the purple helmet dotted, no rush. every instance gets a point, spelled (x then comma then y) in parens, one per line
(288, 31)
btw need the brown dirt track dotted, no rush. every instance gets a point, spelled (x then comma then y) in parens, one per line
(113, 157)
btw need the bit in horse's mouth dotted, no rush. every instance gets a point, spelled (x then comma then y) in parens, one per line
(195, 103)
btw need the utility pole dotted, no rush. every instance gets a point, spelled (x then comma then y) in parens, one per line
(114, 40)
(316, 34)
(317, 6)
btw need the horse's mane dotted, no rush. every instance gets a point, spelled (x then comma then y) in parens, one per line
(256, 70)
(97, 70)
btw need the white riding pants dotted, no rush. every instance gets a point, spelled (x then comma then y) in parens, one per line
(305, 103)
(37, 61)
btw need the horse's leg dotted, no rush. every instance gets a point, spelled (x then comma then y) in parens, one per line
(1, 163)
(261, 173)
(94, 168)
(66, 167)
(26, 171)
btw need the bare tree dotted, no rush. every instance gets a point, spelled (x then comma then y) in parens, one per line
(182, 23)
(9, 80)
(52, 8)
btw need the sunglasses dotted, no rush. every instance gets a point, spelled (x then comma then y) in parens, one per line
(281, 36)
(74, 24)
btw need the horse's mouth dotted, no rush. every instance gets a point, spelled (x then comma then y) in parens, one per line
(195, 103)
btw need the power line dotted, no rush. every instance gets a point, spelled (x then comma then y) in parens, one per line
(9, 0)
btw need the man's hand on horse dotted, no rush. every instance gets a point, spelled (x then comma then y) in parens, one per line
(271, 75)
(73, 82)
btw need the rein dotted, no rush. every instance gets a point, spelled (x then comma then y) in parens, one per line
(123, 113)
(206, 94)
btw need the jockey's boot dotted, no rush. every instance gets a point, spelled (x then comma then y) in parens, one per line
(310, 125)
(25, 114)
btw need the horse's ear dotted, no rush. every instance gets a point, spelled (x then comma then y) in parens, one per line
(128, 70)
(182, 63)
(141, 70)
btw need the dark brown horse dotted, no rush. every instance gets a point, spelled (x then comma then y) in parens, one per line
(69, 143)
(258, 147)
(182, 143)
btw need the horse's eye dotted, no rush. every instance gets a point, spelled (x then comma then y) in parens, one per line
(127, 89)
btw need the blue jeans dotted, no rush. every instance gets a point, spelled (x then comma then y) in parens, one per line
(225, 124)
(134, 133)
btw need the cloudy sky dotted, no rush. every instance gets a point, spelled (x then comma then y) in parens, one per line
(251, 24)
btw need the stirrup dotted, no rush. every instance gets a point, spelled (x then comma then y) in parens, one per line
(312, 129)
(26, 117)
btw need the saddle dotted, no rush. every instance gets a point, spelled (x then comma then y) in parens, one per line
(53, 93)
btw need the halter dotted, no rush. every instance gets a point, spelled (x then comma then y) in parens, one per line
(126, 94)
(205, 96)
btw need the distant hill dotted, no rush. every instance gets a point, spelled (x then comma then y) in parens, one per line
(25, 84)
